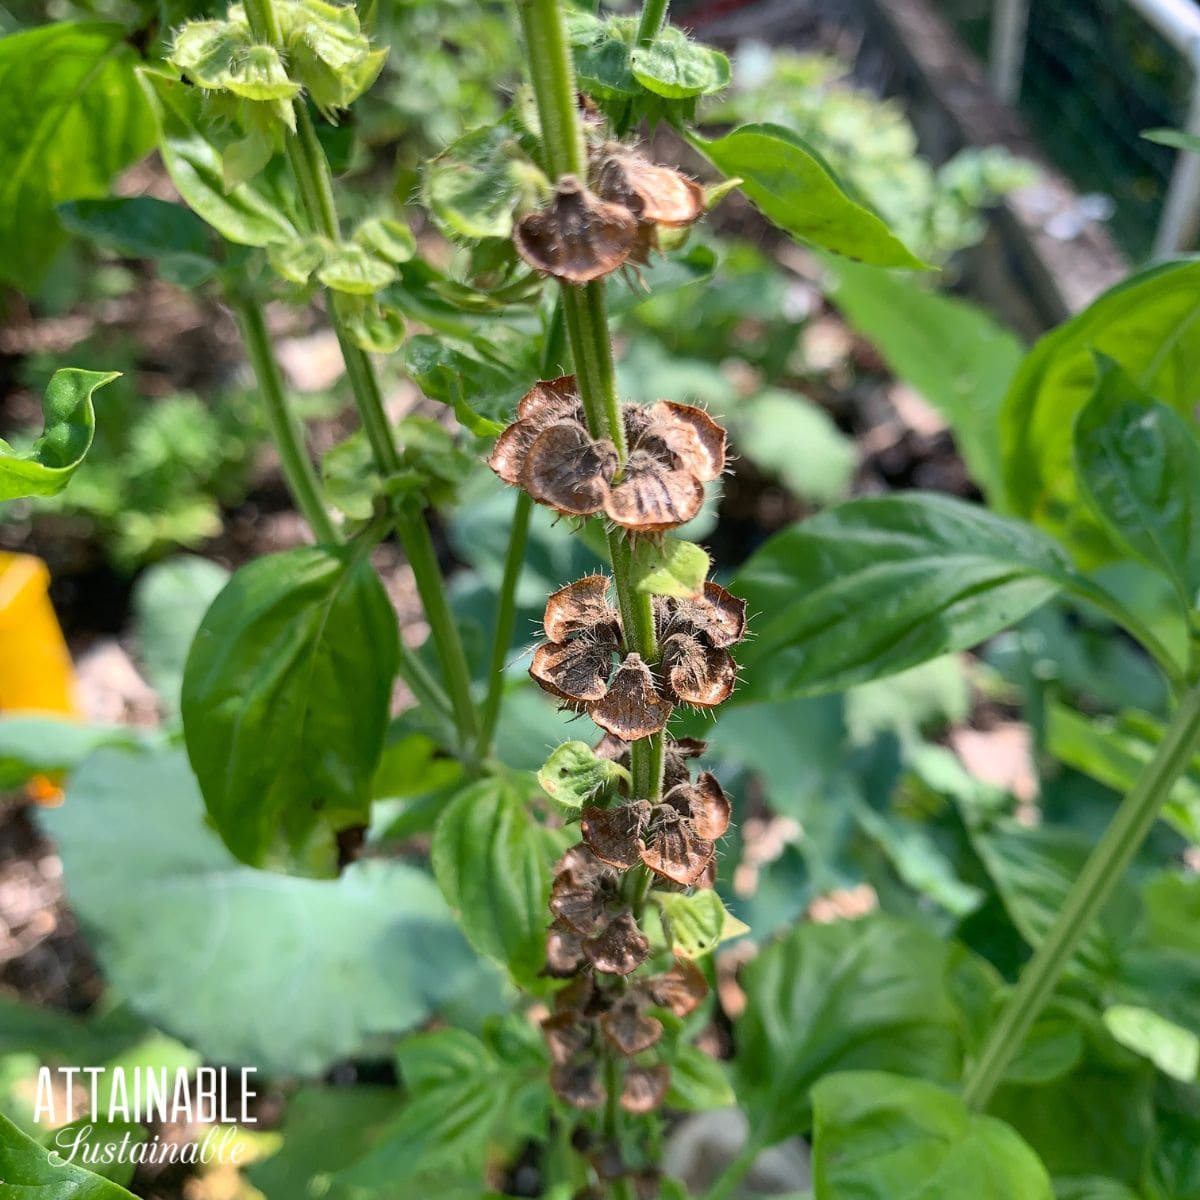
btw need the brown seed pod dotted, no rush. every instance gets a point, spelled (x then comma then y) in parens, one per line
(613, 834)
(696, 673)
(619, 948)
(580, 902)
(628, 1028)
(682, 988)
(651, 497)
(582, 997)
(547, 402)
(654, 194)
(577, 237)
(631, 708)
(578, 1084)
(567, 470)
(694, 439)
(673, 850)
(564, 952)
(581, 607)
(566, 1036)
(645, 1088)
(705, 804)
(717, 616)
(577, 670)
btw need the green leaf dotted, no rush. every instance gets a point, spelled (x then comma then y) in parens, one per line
(877, 585)
(74, 118)
(69, 426)
(45, 745)
(669, 567)
(253, 213)
(601, 52)
(493, 867)
(1138, 465)
(796, 190)
(677, 68)
(792, 438)
(575, 774)
(1148, 326)
(101, 1144)
(286, 694)
(285, 974)
(698, 921)
(226, 56)
(387, 238)
(355, 270)
(1172, 1049)
(854, 994)
(698, 1081)
(1175, 138)
(143, 227)
(169, 602)
(27, 1170)
(374, 327)
(951, 352)
(879, 1135)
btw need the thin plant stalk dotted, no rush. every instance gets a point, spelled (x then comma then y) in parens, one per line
(310, 167)
(654, 13)
(1095, 885)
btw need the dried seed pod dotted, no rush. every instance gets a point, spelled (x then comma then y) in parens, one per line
(628, 1028)
(567, 470)
(697, 673)
(546, 403)
(580, 902)
(631, 708)
(578, 1084)
(705, 805)
(577, 670)
(673, 850)
(717, 616)
(577, 237)
(654, 194)
(564, 952)
(581, 607)
(566, 1036)
(682, 988)
(652, 497)
(619, 948)
(693, 438)
(581, 997)
(613, 834)
(645, 1088)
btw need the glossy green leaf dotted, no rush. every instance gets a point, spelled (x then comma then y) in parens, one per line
(677, 68)
(698, 1081)
(698, 921)
(69, 424)
(144, 227)
(882, 1137)
(851, 995)
(1147, 325)
(285, 974)
(254, 213)
(669, 567)
(1172, 1049)
(74, 118)
(877, 585)
(1138, 465)
(958, 358)
(26, 1169)
(286, 694)
(494, 869)
(169, 602)
(796, 190)
(575, 775)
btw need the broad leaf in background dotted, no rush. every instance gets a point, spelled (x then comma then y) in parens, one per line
(47, 745)
(282, 973)
(286, 693)
(1138, 465)
(880, 1136)
(669, 566)
(873, 586)
(70, 424)
(787, 179)
(26, 1170)
(958, 358)
(254, 213)
(74, 118)
(1148, 325)
(169, 602)
(493, 866)
(143, 227)
(854, 994)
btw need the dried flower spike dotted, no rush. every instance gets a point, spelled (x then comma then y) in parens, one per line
(577, 237)
(654, 194)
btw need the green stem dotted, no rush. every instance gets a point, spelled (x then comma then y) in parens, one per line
(654, 13)
(621, 1189)
(1096, 882)
(552, 74)
(285, 429)
(310, 167)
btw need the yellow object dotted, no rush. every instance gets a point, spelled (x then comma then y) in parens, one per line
(35, 665)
